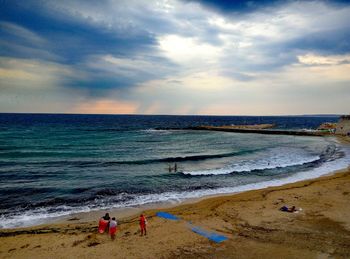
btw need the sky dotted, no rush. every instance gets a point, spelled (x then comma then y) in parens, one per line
(175, 57)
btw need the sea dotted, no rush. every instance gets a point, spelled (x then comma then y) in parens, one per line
(54, 165)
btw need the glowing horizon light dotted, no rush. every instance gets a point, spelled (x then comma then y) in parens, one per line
(313, 59)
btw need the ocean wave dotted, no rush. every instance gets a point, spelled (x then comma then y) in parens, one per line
(139, 162)
(45, 214)
(182, 158)
(194, 157)
(157, 131)
(273, 159)
(247, 168)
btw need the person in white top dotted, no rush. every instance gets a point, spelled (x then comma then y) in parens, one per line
(113, 227)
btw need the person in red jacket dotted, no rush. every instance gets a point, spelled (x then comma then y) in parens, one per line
(143, 223)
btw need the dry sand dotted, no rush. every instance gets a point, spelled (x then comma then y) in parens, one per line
(252, 221)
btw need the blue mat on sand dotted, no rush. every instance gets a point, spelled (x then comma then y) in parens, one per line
(210, 235)
(167, 215)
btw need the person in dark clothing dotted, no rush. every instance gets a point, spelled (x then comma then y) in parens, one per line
(286, 209)
(106, 217)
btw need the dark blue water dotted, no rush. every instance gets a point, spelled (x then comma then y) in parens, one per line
(134, 122)
(53, 165)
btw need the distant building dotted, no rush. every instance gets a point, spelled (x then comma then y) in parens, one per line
(343, 126)
(328, 127)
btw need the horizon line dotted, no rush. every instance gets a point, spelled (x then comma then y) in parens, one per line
(215, 115)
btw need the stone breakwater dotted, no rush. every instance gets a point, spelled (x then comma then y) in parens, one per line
(249, 129)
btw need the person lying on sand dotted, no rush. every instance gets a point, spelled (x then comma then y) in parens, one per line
(292, 209)
(286, 209)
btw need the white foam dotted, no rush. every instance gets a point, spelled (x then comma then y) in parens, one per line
(157, 131)
(274, 158)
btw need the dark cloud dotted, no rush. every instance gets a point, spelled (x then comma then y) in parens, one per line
(331, 42)
(248, 6)
(237, 6)
(71, 39)
(30, 31)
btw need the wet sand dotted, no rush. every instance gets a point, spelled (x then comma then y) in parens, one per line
(252, 220)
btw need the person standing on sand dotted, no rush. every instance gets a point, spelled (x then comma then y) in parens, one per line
(143, 223)
(108, 218)
(113, 228)
(103, 224)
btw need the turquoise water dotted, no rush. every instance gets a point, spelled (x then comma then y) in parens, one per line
(53, 165)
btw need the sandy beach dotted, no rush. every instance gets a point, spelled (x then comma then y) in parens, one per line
(252, 221)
